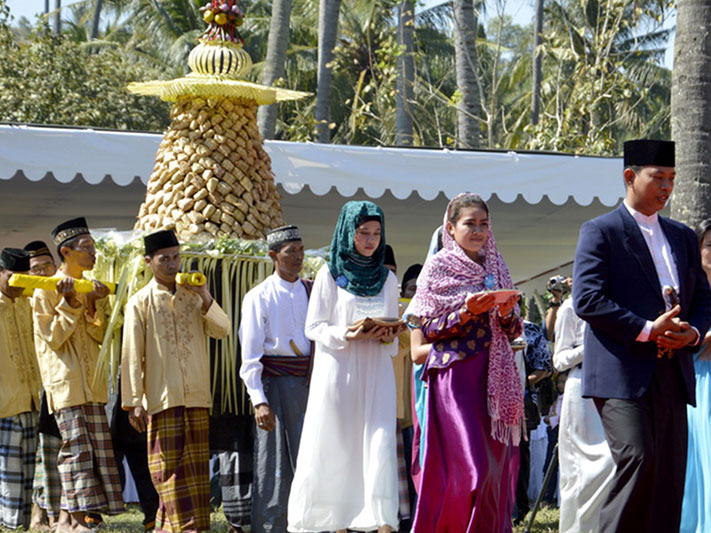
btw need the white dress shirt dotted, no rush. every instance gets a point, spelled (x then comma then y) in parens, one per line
(273, 314)
(662, 256)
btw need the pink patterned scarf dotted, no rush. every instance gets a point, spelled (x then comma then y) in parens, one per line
(442, 287)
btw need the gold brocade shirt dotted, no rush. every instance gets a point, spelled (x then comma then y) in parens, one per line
(164, 358)
(20, 385)
(67, 341)
(402, 366)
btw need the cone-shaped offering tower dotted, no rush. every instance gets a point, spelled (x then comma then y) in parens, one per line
(212, 177)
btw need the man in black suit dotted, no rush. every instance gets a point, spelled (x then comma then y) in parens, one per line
(638, 364)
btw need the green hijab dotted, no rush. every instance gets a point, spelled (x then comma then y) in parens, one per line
(359, 275)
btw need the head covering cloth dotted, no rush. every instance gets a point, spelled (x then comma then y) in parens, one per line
(15, 259)
(69, 229)
(281, 235)
(641, 152)
(37, 249)
(359, 275)
(446, 281)
(160, 240)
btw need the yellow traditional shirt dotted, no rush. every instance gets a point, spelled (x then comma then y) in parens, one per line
(68, 340)
(402, 366)
(20, 385)
(164, 359)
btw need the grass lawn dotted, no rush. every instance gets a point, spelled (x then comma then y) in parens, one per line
(131, 522)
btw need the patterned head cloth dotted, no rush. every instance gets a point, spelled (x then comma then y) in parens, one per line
(37, 248)
(15, 259)
(69, 229)
(159, 240)
(282, 235)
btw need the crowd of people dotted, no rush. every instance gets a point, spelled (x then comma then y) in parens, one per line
(376, 407)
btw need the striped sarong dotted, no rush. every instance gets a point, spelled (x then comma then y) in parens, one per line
(47, 488)
(179, 462)
(285, 365)
(87, 468)
(236, 485)
(18, 444)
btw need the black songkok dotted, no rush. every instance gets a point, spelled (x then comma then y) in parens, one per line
(282, 235)
(15, 259)
(413, 271)
(389, 256)
(69, 230)
(37, 248)
(643, 152)
(159, 240)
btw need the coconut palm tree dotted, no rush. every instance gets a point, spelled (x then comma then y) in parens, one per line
(405, 73)
(469, 105)
(274, 67)
(691, 112)
(327, 32)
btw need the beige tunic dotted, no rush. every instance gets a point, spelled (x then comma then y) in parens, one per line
(20, 385)
(164, 360)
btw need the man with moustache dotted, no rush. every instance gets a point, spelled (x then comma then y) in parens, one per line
(638, 366)
(165, 383)
(69, 328)
(276, 359)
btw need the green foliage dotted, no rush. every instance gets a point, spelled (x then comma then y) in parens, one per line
(53, 80)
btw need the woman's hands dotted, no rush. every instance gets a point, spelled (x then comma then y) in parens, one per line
(479, 303)
(383, 334)
(507, 307)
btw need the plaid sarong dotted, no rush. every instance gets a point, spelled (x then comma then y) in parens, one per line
(18, 444)
(236, 484)
(402, 482)
(87, 468)
(179, 462)
(47, 488)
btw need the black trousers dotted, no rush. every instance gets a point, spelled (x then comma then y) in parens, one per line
(524, 472)
(647, 438)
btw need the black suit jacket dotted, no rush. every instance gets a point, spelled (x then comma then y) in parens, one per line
(616, 290)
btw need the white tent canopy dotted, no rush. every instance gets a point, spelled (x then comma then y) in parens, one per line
(537, 201)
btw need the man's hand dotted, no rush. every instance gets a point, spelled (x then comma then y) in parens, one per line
(204, 293)
(65, 288)
(665, 323)
(676, 340)
(264, 416)
(100, 291)
(138, 419)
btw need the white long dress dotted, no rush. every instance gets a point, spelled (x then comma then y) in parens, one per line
(586, 465)
(346, 471)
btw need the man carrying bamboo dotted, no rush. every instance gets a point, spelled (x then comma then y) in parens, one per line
(46, 488)
(68, 327)
(275, 366)
(165, 383)
(19, 395)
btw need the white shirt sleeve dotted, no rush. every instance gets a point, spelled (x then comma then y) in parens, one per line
(567, 352)
(251, 337)
(321, 313)
(646, 332)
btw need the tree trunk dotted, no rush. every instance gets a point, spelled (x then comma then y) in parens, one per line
(57, 17)
(468, 107)
(274, 66)
(537, 37)
(46, 7)
(328, 12)
(691, 111)
(406, 73)
(96, 19)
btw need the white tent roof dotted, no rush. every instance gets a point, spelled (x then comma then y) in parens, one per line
(537, 201)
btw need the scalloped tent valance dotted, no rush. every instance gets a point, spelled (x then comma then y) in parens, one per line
(124, 156)
(537, 201)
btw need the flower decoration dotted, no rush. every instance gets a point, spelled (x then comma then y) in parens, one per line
(223, 17)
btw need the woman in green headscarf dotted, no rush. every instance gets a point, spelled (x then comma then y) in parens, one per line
(346, 471)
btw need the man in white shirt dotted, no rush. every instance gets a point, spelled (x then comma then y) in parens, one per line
(276, 360)
(638, 367)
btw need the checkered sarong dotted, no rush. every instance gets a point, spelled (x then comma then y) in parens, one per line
(47, 488)
(86, 464)
(18, 444)
(402, 482)
(179, 461)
